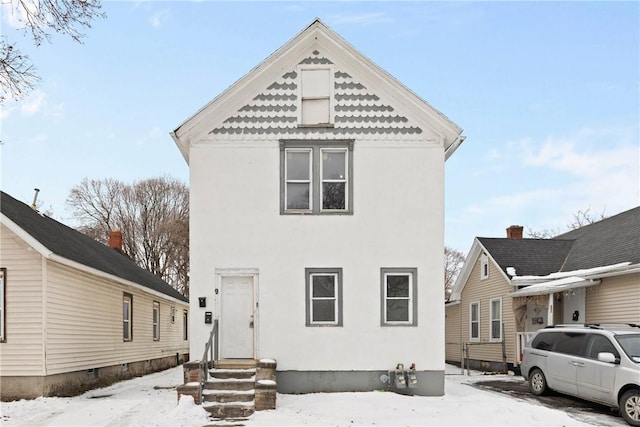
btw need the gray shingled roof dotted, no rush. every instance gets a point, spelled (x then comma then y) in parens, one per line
(611, 241)
(75, 246)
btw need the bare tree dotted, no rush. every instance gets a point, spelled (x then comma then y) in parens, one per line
(580, 218)
(153, 216)
(39, 18)
(453, 262)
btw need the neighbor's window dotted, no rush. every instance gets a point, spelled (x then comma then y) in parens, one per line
(156, 321)
(474, 321)
(185, 325)
(484, 267)
(323, 296)
(127, 316)
(495, 313)
(173, 315)
(316, 88)
(399, 296)
(3, 291)
(316, 178)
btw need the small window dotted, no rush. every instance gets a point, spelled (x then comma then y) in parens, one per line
(185, 325)
(316, 177)
(156, 321)
(315, 96)
(484, 267)
(323, 296)
(474, 321)
(496, 319)
(3, 291)
(398, 294)
(173, 315)
(127, 317)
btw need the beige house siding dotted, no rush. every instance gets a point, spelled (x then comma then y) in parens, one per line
(615, 300)
(23, 351)
(85, 329)
(483, 291)
(453, 343)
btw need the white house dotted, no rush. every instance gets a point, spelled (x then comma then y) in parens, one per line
(317, 219)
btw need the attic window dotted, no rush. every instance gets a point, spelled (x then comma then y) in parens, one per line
(316, 93)
(484, 267)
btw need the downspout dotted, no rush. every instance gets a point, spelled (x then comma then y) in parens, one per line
(454, 146)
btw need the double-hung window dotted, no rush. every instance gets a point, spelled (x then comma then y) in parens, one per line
(399, 296)
(316, 94)
(185, 325)
(474, 321)
(323, 296)
(316, 178)
(156, 321)
(127, 317)
(495, 314)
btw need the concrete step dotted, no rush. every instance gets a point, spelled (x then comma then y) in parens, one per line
(229, 410)
(228, 396)
(230, 384)
(235, 364)
(220, 373)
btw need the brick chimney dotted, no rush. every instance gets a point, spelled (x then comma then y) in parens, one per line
(514, 232)
(115, 240)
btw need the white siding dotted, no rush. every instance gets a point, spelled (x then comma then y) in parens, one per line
(22, 352)
(84, 323)
(397, 222)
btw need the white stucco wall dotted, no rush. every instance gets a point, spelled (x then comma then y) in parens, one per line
(397, 222)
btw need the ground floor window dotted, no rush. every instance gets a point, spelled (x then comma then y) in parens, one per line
(127, 316)
(496, 319)
(185, 325)
(156, 321)
(474, 321)
(323, 293)
(399, 296)
(3, 290)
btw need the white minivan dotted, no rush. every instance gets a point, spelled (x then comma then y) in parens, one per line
(595, 362)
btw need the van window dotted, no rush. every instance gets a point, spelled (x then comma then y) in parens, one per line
(544, 340)
(600, 344)
(570, 343)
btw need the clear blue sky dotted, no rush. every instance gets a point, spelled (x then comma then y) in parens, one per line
(547, 94)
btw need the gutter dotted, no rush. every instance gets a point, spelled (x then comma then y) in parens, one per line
(454, 146)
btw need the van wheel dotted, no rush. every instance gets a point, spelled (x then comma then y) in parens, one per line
(537, 382)
(630, 407)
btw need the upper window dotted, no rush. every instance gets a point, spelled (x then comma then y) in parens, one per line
(316, 177)
(496, 319)
(3, 290)
(127, 317)
(316, 89)
(474, 321)
(399, 299)
(323, 296)
(156, 321)
(484, 267)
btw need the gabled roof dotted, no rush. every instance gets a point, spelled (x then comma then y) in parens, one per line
(51, 237)
(274, 81)
(610, 242)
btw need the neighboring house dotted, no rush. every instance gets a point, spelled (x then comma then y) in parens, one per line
(317, 219)
(510, 287)
(77, 314)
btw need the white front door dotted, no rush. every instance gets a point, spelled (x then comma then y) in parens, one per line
(236, 317)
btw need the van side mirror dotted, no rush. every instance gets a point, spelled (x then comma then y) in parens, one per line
(608, 357)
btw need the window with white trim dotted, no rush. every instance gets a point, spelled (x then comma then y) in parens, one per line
(3, 306)
(316, 177)
(495, 314)
(474, 321)
(127, 317)
(398, 294)
(185, 325)
(484, 267)
(316, 93)
(173, 315)
(156, 321)
(323, 296)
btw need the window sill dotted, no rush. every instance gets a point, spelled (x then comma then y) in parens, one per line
(312, 213)
(319, 125)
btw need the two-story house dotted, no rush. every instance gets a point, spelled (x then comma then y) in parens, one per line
(317, 219)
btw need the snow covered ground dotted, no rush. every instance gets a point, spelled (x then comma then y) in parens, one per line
(152, 401)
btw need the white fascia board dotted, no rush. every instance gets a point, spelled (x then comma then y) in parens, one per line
(330, 43)
(26, 237)
(95, 272)
(554, 286)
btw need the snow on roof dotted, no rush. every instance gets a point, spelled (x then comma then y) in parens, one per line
(584, 272)
(555, 286)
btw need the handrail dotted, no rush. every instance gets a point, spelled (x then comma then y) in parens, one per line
(210, 355)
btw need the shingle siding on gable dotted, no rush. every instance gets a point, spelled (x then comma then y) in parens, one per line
(357, 112)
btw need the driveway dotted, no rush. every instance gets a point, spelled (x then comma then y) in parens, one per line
(576, 408)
